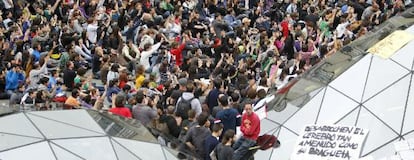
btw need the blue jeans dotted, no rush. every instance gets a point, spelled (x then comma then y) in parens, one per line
(241, 148)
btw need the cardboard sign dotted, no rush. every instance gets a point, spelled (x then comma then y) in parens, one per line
(329, 142)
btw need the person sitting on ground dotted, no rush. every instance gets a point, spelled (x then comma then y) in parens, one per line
(118, 107)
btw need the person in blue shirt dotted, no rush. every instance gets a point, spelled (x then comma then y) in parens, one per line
(13, 77)
(229, 116)
(36, 51)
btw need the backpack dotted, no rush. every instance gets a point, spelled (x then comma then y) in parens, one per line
(183, 107)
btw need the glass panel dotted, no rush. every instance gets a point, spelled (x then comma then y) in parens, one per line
(53, 129)
(123, 153)
(267, 126)
(142, 149)
(9, 141)
(263, 154)
(351, 85)
(409, 113)
(405, 55)
(306, 115)
(40, 151)
(334, 106)
(64, 154)
(18, 124)
(350, 119)
(382, 73)
(378, 134)
(89, 148)
(82, 120)
(173, 152)
(282, 116)
(5, 110)
(170, 154)
(389, 105)
(122, 127)
(383, 152)
(288, 141)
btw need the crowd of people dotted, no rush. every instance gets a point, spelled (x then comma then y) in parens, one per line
(174, 65)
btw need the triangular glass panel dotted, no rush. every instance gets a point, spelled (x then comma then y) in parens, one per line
(384, 151)
(405, 55)
(288, 141)
(36, 151)
(62, 154)
(378, 134)
(389, 105)
(350, 84)
(8, 141)
(122, 153)
(169, 155)
(409, 136)
(83, 119)
(18, 124)
(282, 116)
(53, 129)
(263, 154)
(267, 125)
(382, 73)
(349, 119)
(116, 126)
(409, 113)
(89, 148)
(143, 149)
(306, 115)
(334, 106)
(172, 152)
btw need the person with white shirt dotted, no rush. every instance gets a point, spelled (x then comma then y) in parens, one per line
(92, 30)
(146, 54)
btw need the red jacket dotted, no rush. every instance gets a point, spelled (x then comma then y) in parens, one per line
(285, 28)
(122, 111)
(253, 121)
(177, 52)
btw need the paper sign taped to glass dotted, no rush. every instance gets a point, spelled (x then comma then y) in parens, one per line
(391, 44)
(329, 142)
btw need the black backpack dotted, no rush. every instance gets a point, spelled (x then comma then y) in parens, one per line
(183, 107)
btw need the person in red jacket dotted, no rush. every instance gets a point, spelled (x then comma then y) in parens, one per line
(250, 127)
(119, 108)
(177, 50)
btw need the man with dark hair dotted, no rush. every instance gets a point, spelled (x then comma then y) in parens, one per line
(197, 135)
(188, 97)
(213, 139)
(72, 100)
(214, 94)
(142, 112)
(119, 108)
(229, 116)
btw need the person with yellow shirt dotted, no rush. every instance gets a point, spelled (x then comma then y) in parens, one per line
(140, 76)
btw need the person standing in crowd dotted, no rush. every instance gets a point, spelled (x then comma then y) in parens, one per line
(196, 136)
(224, 151)
(250, 127)
(230, 117)
(141, 111)
(188, 101)
(211, 141)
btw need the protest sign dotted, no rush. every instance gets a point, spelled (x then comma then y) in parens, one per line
(329, 142)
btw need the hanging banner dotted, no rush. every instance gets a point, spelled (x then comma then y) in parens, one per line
(329, 142)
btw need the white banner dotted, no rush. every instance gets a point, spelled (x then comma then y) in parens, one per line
(329, 142)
